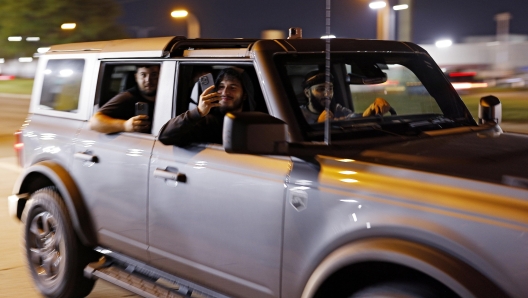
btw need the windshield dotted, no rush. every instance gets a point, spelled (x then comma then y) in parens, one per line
(402, 94)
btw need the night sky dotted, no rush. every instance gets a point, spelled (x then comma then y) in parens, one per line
(432, 19)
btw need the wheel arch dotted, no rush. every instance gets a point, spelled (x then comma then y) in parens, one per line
(49, 173)
(396, 254)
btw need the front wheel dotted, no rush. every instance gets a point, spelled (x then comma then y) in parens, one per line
(55, 256)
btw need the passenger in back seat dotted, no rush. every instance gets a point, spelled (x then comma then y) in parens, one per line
(119, 113)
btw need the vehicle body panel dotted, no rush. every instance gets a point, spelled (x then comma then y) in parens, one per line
(364, 200)
(224, 219)
(119, 213)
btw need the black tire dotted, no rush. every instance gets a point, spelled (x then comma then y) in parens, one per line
(55, 256)
(401, 290)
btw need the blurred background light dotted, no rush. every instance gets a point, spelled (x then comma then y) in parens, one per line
(68, 26)
(179, 13)
(377, 4)
(33, 38)
(14, 38)
(43, 50)
(193, 25)
(2, 60)
(328, 36)
(400, 7)
(444, 43)
(25, 59)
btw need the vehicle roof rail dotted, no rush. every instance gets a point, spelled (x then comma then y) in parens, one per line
(174, 41)
(181, 45)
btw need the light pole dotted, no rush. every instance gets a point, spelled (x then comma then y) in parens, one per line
(193, 26)
(404, 20)
(383, 19)
(386, 20)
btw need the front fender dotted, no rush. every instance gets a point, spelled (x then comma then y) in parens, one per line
(451, 272)
(60, 178)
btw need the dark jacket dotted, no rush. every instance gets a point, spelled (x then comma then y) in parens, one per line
(123, 105)
(190, 127)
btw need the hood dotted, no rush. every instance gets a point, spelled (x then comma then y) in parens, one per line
(499, 158)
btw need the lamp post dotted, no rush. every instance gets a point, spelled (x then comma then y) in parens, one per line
(386, 20)
(193, 26)
(383, 19)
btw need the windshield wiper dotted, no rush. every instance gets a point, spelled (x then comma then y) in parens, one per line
(432, 121)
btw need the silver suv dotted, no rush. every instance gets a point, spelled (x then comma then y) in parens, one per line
(425, 201)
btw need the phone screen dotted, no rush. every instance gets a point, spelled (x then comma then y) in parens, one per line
(142, 108)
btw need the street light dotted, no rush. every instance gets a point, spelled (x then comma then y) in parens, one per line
(193, 26)
(383, 19)
(386, 19)
(68, 26)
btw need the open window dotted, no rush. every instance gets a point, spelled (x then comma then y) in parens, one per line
(189, 88)
(116, 78)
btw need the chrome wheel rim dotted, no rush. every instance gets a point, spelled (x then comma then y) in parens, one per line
(46, 244)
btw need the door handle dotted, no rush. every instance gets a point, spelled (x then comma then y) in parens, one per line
(169, 175)
(85, 157)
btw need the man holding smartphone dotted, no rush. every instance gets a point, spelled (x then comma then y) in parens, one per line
(232, 92)
(132, 110)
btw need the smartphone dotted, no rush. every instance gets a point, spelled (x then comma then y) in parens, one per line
(142, 108)
(206, 81)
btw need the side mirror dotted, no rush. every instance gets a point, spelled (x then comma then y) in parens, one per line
(490, 109)
(254, 133)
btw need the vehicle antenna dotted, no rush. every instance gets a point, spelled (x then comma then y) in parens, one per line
(327, 76)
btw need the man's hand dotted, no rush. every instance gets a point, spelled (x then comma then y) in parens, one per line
(208, 100)
(138, 123)
(322, 116)
(379, 107)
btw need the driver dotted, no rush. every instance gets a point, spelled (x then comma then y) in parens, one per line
(315, 91)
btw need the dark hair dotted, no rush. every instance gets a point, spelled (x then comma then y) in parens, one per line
(146, 66)
(315, 77)
(239, 74)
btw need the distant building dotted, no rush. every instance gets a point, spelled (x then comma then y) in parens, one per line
(492, 61)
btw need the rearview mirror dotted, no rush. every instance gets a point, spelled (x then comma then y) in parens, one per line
(367, 73)
(354, 79)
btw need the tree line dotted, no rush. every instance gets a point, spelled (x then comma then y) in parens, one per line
(94, 19)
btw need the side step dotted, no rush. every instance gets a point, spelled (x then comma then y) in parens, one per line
(136, 283)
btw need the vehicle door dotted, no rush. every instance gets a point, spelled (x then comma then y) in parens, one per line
(112, 171)
(217, 217)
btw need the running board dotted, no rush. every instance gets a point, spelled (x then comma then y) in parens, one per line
(128, 277)
(134, 282)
